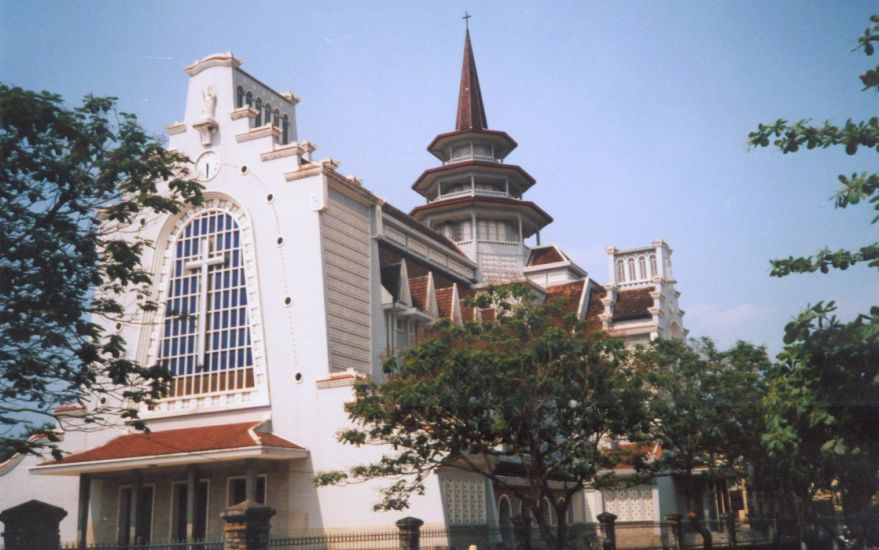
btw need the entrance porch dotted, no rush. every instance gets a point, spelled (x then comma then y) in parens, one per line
(171, 486)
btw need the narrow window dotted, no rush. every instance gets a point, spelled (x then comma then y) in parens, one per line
(621, 272)
(631, 263)
(642, 267)
(239, 97)
(249, 99)
(285, 130)
(178, 511)
(277, 120)
(653, 271)
(258, 120)
(144, 527)
(268, 114)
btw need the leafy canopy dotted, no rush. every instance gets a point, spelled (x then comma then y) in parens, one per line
(73, 182)
(531, 392)
(822, 408)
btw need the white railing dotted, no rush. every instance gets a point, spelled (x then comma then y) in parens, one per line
(465, 158)
(472, 193)
(502, 243)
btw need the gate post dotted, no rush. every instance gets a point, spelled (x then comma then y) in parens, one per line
(33, 524)
(608, 521)
(247, 526)
(410, 533)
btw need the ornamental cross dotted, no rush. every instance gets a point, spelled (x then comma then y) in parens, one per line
(466, 19)
(203, 264)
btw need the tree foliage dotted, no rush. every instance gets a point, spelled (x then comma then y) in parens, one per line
(823, 405)
(73, 181)
(702, 408)
(530, 391)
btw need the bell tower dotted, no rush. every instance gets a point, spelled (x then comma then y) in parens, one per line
(474, 198)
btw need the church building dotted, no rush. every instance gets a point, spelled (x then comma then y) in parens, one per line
(290, 283)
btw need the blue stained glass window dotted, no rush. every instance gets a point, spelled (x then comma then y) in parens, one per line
(208, 246)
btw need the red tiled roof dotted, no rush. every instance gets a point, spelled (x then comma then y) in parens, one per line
(545, 255)
(184, 440)
(633, 304)
(629, 452)
(503, 143)
(444, 301)
(468, 313)
(518, 175)
(540, 216)
(471, 111)
(567, 296)
(418, 291)
(595, 308)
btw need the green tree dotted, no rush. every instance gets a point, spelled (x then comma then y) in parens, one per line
(825, 399)
(702, 409)
(530, 391)
(72, 180)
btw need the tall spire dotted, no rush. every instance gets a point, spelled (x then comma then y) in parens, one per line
(471, 112)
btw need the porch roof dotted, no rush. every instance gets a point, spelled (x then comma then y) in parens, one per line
(222, 442)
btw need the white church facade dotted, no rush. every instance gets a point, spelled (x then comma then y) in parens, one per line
(290, 283)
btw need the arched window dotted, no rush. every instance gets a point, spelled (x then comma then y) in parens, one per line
(653, 271)
(631, 264)
(205, 337)
(505, 519)
(249, 99)
(277, 119)
(239, 97)
(642, 267)
(621, 271)
(258, 120)
(268, 114)
(285, 130)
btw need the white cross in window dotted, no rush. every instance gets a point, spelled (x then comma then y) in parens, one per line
(203, 263)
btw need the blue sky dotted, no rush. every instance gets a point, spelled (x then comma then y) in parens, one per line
(633, 117)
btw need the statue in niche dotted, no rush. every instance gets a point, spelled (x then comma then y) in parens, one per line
(209, 103)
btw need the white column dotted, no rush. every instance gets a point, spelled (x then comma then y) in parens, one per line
(82, 519)
(190, 502)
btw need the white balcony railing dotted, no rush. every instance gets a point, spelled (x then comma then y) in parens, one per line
(468, 157)
(473, 193)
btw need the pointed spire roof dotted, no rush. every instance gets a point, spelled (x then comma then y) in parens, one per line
(471, 112)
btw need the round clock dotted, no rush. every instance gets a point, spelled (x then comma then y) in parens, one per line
(207, 166)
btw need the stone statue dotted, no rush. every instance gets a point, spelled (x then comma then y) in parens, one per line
(209, 103)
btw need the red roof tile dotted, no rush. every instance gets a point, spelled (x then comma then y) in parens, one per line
(488, 314)
(595, 308)
(545, 255)
(471, 111)
(468, 313)
(633, 304)
(418, 291)
(444, 301)
(567, 296)
(184, 440)
(627, 453)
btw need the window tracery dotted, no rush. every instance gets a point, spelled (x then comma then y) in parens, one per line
(205, 336)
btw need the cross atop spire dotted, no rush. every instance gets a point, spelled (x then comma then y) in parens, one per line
(466, 19)
(471, 112)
